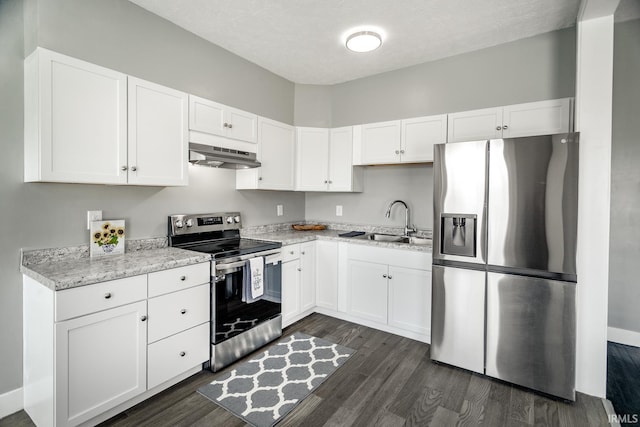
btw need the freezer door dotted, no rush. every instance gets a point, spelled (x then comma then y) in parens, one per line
(457, 317)
(459, 202)
(533, 199)
(531, 333)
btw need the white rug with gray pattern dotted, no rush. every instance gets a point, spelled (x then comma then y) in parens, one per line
(267, 387)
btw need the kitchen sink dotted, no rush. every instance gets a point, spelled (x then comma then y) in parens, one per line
(398, 239)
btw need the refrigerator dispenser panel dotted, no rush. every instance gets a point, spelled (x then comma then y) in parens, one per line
(458, 234)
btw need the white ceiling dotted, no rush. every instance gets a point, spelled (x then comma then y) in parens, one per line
(302, 40)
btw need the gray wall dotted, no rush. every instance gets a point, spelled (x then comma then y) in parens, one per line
(312, 106)
(624, 249)
(533, 69)
(119, 35)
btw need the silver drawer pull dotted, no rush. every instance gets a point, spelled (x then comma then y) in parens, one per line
(183, 354)
(183, 278)
(183, 311)
(384, 275)
(107, 295)
(390, 277)
(291, 252)
(143, 318)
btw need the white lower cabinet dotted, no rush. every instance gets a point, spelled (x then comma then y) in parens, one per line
(389, 289)
(327, 274)
(104, 347)
(298, 281)
(100, 362)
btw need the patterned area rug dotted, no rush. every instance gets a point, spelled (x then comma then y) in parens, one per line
(267, 387)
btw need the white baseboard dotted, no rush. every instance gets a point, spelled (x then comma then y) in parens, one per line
(11, 402)
(623, 336)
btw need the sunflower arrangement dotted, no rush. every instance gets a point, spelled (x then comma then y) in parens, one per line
(108, 235)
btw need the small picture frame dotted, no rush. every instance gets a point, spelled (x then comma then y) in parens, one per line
(106, 238)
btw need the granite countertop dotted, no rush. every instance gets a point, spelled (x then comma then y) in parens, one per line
(70, 272)
(290, 237)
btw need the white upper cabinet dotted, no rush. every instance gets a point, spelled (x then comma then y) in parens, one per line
(81, 128)
(401, 141)
(419, 135)
(533, 118)
(208, 119)
(312, 146)
(325, 162)
(381, 142)
(158, 136)
(276, 152)
(75, 121)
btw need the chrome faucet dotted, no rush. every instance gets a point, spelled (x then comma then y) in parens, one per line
(407, 229)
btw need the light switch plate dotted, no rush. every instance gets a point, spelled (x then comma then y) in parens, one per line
(93, 216)
(280, 210)
(338, 210)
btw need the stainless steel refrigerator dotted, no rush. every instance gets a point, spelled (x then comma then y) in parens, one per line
(504, 251)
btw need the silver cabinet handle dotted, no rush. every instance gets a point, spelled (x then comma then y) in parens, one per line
(299, 269)
(498, 128)
(259, 178)
(302, 252)
(183, 354)
(397, 151)
(143, 318)
(226, 125)
(326, 182)
(330, 182)
(505, 127)
(134, 168)
(107, 295)
(389, 277)
(230, 125)
(183, 311)
(384, 275)
(124, 168)
(401, 151)
(291, 252)
(183, 278)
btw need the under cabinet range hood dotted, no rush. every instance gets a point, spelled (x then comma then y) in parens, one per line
(220, 157)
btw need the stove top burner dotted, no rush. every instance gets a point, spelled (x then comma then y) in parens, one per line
(225, 248)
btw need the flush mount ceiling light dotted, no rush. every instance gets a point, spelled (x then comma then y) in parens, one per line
(363, 41)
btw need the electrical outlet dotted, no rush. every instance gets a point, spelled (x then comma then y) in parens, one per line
(280, 210)
(338, 210)
(93, 216)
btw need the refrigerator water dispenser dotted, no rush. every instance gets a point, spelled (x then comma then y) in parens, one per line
(458, 233)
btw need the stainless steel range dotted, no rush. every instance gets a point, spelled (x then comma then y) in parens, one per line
(239, 324)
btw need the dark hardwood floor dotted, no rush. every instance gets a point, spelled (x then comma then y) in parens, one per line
(623, 381)
(390, 381)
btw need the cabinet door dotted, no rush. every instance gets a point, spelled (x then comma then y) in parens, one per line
(410, 299)
(537, 118)
(341, 159)
(313, 158)
(419, 135)
(75, 121)
(381, 142)
(241, 125)
(100, 362)
(290, 291)
(327, 274)
(307, 276)
(475, 125)
(206, 116)
(367, 294)
(158, 134)
(276, 151)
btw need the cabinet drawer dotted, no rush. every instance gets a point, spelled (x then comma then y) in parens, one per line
(290, 252)
(176, 279)
(172, 313)
(100, 296)
(176, 354)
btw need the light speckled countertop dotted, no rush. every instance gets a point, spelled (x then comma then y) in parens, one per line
(290, 237)
(71, 272)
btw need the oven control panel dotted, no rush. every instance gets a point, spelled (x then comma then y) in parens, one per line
(200, 223)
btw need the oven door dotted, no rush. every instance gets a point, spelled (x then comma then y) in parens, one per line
(230, 315)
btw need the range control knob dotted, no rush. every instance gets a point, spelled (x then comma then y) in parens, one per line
(229, 220)
(189, 222)
(179, 223)
(236, 219)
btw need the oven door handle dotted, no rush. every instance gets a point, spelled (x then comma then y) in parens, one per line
(271, 259)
